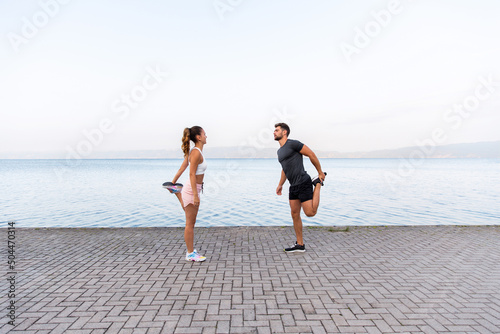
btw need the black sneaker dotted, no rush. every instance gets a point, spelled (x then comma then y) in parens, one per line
(296, 248)
(317, 180)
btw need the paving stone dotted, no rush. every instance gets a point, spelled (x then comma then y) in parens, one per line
(429, 279)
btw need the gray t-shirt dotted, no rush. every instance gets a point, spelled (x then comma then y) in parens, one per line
(291, 161)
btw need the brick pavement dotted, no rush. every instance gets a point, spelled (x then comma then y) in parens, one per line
(365, 280)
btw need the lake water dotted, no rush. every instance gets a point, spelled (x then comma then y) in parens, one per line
(240, 192)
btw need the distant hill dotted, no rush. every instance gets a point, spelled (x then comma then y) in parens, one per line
(466, 150)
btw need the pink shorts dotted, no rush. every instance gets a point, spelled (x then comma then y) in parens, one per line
(187, 193)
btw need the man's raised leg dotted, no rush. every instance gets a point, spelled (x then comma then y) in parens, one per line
(311, 207)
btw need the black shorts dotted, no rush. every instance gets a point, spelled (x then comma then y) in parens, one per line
(302, 191)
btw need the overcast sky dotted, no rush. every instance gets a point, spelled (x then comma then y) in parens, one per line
(346, 75)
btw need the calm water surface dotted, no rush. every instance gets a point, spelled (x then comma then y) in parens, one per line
(128, 193)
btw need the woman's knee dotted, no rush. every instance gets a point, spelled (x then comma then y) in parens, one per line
(190, 223)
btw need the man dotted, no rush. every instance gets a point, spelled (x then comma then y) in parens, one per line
(304, 192)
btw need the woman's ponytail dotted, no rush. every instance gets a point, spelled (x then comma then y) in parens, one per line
(185, 141)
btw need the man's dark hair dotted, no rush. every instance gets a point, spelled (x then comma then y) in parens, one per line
(283, 126)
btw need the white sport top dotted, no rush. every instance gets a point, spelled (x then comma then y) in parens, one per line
(203, 166)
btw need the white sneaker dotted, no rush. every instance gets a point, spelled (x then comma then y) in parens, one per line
(195, 257)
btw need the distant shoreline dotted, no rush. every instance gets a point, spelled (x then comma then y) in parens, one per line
(482, 150)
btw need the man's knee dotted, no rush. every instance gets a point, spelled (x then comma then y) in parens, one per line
(309, 209)
(311, 213)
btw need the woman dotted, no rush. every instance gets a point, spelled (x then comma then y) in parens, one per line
(190, 194)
